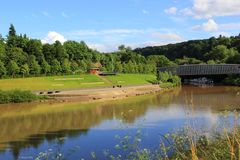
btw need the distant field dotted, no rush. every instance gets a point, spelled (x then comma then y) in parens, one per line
(73, 82)
(131, 79)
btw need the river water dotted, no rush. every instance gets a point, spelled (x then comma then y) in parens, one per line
(77, 129)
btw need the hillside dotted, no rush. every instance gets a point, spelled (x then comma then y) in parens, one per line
(192, 49)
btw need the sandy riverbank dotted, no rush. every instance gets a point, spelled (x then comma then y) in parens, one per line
(105, 93)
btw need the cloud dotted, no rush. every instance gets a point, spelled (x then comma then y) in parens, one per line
(52, 37)
(172, 11)
(212, 26)
(170, 37)
(103, 47)
(230, 26)
(105, 32)
(213, 8)
(109, 39)
(209, 26)
(46, 14)
(145, 11)
(64, 15)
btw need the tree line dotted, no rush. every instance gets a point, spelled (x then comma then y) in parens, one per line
(212, 51)
(21, 56)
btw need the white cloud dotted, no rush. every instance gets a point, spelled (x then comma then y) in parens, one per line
(144, 11)
(170, 37)
(213, 8)
(64, 15)
(105, 32)
(210, 26)
(109, 39)
(46, 14)
(52, 37)
(230, 26)
(104, 47)
(172, 10)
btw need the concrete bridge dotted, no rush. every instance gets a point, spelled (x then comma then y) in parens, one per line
(202, 70)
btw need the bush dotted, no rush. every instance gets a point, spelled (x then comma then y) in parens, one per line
(232, 80)
(167, 85)
(17, 96)
(168, 80)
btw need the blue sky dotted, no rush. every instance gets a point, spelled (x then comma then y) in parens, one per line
(105, 24)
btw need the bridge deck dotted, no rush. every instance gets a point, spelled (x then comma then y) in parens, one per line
(203, 69)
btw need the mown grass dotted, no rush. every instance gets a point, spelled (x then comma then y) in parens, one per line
(54, 82)
(132, 79)
(72, 82)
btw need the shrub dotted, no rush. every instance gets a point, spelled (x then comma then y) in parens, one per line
(17, 96)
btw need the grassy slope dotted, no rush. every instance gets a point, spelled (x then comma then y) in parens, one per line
(132, 79)
(56, 82)
(72, 82)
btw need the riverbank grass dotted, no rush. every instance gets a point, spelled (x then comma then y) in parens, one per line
(17, 96)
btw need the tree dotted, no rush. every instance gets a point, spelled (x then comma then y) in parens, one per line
(3, 69)
(34, 47)
(16, 54)
(118, 67)
(46, 68)
(163, 77)
(35, 68)
(12, 37)
(234, 59)
(221, 53)
(12, 68)
(83, 66)
(122, 48)
(60, 53)
(48, 52)
(74, 66)
(56, 67)
(24, 70)
(66, 68)
(211, 62)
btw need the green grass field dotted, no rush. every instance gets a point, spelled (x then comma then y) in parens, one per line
(73, 82)
(132, 79)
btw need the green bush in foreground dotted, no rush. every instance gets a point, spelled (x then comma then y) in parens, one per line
(17, 96)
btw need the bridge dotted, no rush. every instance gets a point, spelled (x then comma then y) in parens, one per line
(202, 70)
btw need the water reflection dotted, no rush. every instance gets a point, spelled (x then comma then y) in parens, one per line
(32, 125)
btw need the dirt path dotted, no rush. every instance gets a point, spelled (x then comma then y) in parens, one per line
(106, 93)
(105, 80)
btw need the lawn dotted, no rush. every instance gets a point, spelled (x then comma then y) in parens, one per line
(73, 82)
(132, 79)
(53, 83)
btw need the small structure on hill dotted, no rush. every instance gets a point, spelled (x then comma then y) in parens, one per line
(94, 71)
(95, 68)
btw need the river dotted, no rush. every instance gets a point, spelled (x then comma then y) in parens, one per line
(77, 129)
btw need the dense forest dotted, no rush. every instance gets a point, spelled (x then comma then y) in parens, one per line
(21, 56)
(213, 50)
